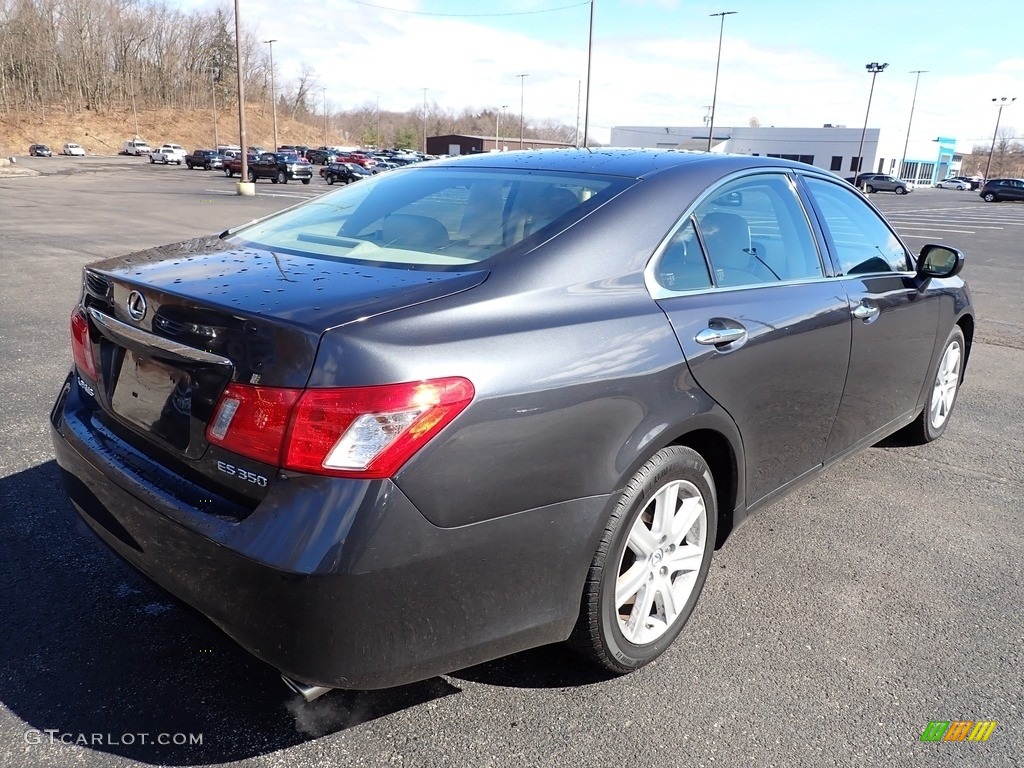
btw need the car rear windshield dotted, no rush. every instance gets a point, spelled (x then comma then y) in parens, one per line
(433, 217)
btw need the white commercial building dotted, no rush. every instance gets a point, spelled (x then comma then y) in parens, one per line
(831, 147)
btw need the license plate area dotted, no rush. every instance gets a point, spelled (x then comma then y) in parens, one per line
(155, 397)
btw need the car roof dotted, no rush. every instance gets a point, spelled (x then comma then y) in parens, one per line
(632, 163)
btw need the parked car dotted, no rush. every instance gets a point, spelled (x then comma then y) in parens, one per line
(881, 182)
(164, 155)
(233, 165)
(322, 155)
(998, 190)
(175, 151)
(207, 159)
(135, 147)
(953, 184)
(344, 173)
(340, 457)
(39, 150)
(75, 150)
(975, 182)
(280, 168)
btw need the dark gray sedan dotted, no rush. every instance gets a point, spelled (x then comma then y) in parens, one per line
(467, 408)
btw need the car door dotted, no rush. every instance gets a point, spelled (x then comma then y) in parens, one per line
(1014, 190)
(894, 322)
(764, 331)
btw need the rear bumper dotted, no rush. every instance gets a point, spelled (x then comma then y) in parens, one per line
(340, 583)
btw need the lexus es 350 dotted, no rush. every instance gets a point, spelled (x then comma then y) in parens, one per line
(471, 407)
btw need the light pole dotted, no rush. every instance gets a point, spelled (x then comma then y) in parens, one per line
(522, 93)
(244, 187)
(497, 128)
(1002, 102)
(586, 110)
(910, 122)
(718, 62)
(213, 89)
(325, 115)
(378, 123)
(425, 120)
(131, 82)
(874, 68)
(273, 91)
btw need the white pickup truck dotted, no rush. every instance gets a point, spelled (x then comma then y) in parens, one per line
(168, 153)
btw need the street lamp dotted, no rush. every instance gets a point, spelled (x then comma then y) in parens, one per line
(273, 92)
(244, 187)
(522, 91)
(714, 95)
(1002, 102)
(910, 122)
(325, 115)
(874, 68)
(586, 111)
(497, 128)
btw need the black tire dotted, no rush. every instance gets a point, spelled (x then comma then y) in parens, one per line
(228, 172)
(252, 176)
(281, 178)
(330, 179)
(206, 167)
(988, 197)
(152, 161)
(924, 429)
(306, 181)
(901, 190)
(598, 633)
(869, 189)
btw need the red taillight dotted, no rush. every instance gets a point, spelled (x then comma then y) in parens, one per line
(252, 421)
(354, 432)
(81, 346)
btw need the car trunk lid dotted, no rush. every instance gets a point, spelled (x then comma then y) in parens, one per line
(171, 327)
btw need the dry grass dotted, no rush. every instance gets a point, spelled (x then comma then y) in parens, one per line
(103, 133)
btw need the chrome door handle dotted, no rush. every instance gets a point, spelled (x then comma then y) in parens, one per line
(715, 336)
(865, 312)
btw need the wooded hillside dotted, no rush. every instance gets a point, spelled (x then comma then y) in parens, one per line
(62, 58)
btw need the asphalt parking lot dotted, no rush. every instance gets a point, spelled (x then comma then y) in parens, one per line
(834, 626)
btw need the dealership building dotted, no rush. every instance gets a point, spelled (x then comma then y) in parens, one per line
(831, 147)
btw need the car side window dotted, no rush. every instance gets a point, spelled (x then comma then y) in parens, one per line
(754, 231)
(864, 243)
(681, 264)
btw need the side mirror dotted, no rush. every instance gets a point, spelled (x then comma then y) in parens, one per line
(939, 261)
(734, 198)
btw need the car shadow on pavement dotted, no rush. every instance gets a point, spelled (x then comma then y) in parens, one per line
(550, 666)
(94, 654)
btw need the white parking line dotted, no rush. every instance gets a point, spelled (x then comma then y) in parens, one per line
(902, 227)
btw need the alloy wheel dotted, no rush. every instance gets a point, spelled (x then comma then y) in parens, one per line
(659, 566)
(947, 379)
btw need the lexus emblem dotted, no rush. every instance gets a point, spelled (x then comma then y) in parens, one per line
(136, 305)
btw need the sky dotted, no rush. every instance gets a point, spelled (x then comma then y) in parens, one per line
(787, 63)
